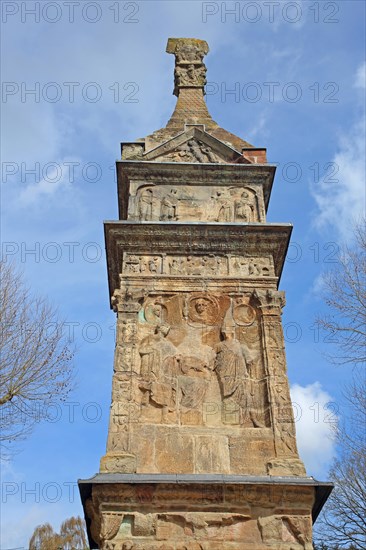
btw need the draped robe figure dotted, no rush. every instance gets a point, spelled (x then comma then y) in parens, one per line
(158, 366)
(232, 373)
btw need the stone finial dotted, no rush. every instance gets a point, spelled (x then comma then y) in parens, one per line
(190, 71)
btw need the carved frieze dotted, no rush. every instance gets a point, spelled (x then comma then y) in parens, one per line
(196, 202)
(208, 266)
(175, 517)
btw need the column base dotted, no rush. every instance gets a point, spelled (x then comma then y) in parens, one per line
(201, 512)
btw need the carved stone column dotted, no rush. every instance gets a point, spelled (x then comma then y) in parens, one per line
(201, 450)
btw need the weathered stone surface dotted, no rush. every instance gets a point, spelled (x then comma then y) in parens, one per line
(210, 203)
(250, 516)
(200, 385)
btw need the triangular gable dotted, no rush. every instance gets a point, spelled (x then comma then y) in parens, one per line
(194, 145)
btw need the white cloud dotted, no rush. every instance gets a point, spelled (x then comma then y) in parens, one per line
(340, 196)
(58, 176)
(259, 130)
(360, 81)
(315, 419)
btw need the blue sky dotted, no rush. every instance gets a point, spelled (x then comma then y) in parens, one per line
(101, 76)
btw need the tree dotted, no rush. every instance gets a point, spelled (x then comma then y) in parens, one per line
(72, 533)
(343, 522)
(44, 538)
(344, 517)
(36, 359)
(72, 536)
(345, 296)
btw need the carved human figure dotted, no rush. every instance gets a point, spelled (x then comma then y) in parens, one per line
(158, 369)
(225, 208)
(145, 205)
(175, 266)
(212, 208)
(169, 206)
(231, 367)
(253, 268)
(195, 366)
(202, 311)
(142, 265)
(201, 306)
(155, 314)
(209, 153)
(153, 350)
(195, 150)
(244, 208)
(153, 265)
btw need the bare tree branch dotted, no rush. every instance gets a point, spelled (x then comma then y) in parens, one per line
(35, 358)
(345, 296)
(343, 522)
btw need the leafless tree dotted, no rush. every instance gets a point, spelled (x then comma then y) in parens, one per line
(36, 359)
(343, 522)
(345, 296)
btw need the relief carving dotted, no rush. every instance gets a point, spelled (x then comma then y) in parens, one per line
(196, 362)
(245, 207)
(198, 266)
(185, 353)
(125, 358)
(128, 331)
(224, 207)
(158, 366)
(190, 76)
(190, 71)
(169, 206)
(203, 309)
(192, 151)
(187, 51)
(195, 202)
(270, 300)
(251, 267)
(128, 301)
(145, 204)
(145, 265)
(234, 367)
(155, 312)
(286, 529)
(110, 525)
(243, 313)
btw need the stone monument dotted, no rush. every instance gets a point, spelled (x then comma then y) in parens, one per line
(201, 451)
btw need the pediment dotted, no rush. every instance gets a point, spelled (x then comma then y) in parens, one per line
(194, 146)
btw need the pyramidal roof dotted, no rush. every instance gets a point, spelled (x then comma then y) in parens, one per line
(191, 135)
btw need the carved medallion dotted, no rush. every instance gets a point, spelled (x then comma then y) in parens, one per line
(203, 309)
(244, 314)
(155, 312)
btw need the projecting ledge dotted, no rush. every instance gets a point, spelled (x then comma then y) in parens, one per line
(322, 489)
